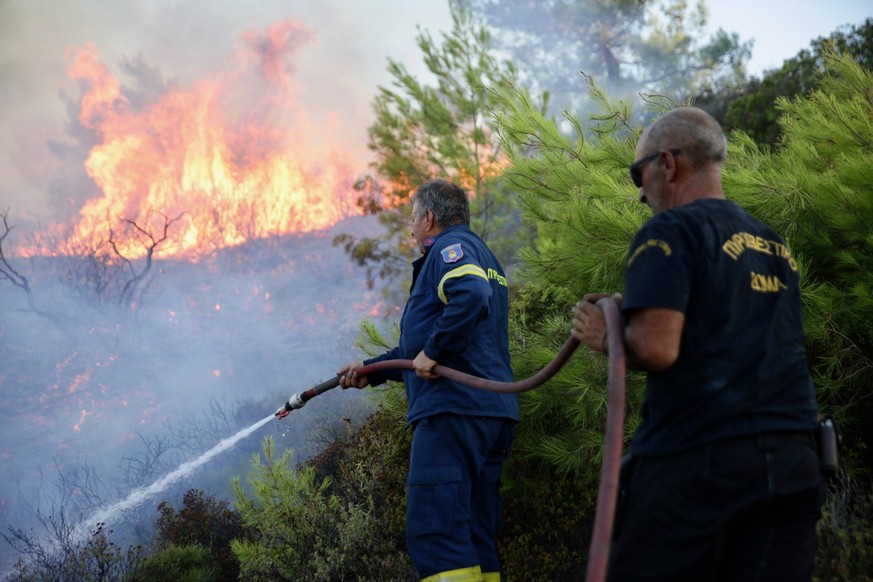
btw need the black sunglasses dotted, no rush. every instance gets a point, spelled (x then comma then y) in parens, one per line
(634, 168)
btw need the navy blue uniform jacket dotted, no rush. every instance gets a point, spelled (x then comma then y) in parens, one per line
(458, 313)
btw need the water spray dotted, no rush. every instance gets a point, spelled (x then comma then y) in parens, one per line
(137, 496)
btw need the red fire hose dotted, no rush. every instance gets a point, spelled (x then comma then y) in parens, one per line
(598, 554)
(614, 434)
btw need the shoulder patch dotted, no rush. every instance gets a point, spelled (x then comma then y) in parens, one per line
(650, 244)
(452, 253)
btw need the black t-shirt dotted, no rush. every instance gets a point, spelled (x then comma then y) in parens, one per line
(742, 365)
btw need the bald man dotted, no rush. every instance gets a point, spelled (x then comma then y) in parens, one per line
(724, 480)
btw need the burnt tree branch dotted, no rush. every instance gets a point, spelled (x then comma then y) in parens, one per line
(7, 271)
(152, 242)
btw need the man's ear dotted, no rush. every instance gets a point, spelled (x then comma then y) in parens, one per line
(669, 165)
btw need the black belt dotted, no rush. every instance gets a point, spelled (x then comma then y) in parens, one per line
(768, 441)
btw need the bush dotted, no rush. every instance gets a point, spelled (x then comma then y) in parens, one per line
(96, 560)
(369, 467)
(302, 529)
(845, 534)
(173, 563)
(547, 526)
(205, 523)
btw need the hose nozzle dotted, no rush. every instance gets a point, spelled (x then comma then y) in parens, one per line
(298, 400)
(295, 402)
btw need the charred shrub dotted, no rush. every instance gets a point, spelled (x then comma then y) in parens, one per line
(98, 558)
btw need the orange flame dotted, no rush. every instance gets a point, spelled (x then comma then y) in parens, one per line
(227, 156)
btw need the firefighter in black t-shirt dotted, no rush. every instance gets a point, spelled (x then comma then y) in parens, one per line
(724, 480)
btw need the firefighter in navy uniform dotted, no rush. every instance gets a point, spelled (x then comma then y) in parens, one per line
(724, 482)
(457, 315)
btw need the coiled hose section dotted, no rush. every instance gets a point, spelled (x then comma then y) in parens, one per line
(607, 494)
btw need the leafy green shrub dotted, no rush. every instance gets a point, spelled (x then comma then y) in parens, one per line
(369, 468)
(205, 522)
(547, 526)
(191, 563)
(845, 534)
(303, 531)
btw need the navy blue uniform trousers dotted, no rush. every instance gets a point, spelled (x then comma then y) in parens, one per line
(452, 497)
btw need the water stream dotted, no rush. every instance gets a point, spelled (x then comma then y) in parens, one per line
(112, 512)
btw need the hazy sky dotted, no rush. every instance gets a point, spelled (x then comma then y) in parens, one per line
(780, 28)
(187, 39)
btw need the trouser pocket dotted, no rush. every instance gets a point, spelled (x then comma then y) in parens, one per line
(431, 499)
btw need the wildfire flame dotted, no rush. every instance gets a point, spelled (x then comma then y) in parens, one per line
(211, 165)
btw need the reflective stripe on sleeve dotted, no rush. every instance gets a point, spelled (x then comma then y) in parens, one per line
(459, 272)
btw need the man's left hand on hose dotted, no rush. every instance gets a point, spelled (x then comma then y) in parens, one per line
(423, 366)
(589, 323)
(348, 377)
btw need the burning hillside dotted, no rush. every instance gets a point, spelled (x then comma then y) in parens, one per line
(99, 396)
(202, 271)
(229, 158)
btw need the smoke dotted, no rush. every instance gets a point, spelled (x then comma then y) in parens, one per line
(99, 400)
(278, 47)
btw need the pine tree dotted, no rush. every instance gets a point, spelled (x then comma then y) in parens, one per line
(754, 111)
(437, 130)
(656, 46)
(576, 194)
